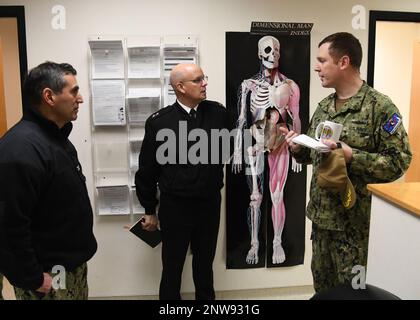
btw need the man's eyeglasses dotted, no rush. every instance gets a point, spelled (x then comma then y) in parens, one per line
(199, 80)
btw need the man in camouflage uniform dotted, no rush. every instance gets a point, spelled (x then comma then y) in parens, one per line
(376, 150)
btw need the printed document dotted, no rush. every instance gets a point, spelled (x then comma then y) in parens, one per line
(309, 142)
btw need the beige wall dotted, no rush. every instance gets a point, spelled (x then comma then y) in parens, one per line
(123, 265)
(9, 35)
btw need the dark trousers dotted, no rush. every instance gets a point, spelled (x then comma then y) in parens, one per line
(186, 221)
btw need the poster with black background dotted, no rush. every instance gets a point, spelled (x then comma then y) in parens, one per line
(243, 62)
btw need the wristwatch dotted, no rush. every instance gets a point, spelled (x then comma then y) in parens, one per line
(339, 145)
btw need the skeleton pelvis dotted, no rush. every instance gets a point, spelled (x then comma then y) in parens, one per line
(275, 139)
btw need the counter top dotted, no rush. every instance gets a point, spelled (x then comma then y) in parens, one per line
(406, 195)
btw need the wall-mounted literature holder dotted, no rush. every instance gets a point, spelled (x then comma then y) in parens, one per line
(129, 80)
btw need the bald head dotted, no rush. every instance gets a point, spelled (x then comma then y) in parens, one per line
(189, 83)
(181, 72)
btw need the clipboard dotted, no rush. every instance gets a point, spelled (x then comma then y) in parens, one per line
(152, 238)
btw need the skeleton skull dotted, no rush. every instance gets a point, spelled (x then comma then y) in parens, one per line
(269, 51)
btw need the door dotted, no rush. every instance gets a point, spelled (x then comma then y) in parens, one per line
(10, 69)
(3, 119)
(13, 68)
(383, 69)
(413, 173)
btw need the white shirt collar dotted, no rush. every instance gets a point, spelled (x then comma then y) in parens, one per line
(187, 109)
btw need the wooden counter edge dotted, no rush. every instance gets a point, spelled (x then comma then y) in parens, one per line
(405, 195)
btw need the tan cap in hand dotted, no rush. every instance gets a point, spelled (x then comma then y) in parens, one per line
(332, 175)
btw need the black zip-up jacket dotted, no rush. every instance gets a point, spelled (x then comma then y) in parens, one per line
(47, 215)
(181, 178)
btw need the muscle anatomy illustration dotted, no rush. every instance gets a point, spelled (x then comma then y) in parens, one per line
(270, 98)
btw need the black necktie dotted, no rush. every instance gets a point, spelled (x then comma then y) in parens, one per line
(193, 114)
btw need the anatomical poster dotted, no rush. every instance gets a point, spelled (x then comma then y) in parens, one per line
(267, 88)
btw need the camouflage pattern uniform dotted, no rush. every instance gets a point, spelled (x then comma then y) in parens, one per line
(340, 236)
(76, 288)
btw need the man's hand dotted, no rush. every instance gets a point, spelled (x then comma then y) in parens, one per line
(347, 150)
(149, 222)
(46, 285)
(289, 135)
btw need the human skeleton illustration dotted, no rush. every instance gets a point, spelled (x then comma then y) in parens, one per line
(273, 98)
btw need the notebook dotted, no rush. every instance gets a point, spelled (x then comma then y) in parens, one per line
(309, 142)
(152, 238)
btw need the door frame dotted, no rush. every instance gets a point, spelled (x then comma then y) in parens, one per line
(375, 16)
(18, 12)
(413, 172)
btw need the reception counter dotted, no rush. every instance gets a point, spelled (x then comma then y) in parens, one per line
(394, 240)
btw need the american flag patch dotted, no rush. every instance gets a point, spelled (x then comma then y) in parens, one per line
(392, 124)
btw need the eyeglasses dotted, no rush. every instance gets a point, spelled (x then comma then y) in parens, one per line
(199, 80)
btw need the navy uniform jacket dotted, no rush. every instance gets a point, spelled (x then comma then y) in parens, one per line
(164, 161)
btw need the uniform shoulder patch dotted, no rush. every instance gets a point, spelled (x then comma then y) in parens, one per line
(215, 103)
(392, 124)
(161, 112)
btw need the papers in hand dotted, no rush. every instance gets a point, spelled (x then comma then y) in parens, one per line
(152, 238)
(309, 142)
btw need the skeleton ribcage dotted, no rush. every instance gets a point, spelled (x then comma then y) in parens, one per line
(260, 101)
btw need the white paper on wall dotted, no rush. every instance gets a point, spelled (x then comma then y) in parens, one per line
(144, 62)
(142, 102)
(174, 54)
(135, 147)
(113, 200)
(169, 93)
(108, 102)
(137, 207)
(107, 59)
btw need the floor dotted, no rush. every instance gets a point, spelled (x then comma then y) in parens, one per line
(288, 293)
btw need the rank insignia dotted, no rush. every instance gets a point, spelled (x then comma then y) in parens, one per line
(392, 124)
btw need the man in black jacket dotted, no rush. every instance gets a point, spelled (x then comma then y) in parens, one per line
(189, 204)
(48, 218)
